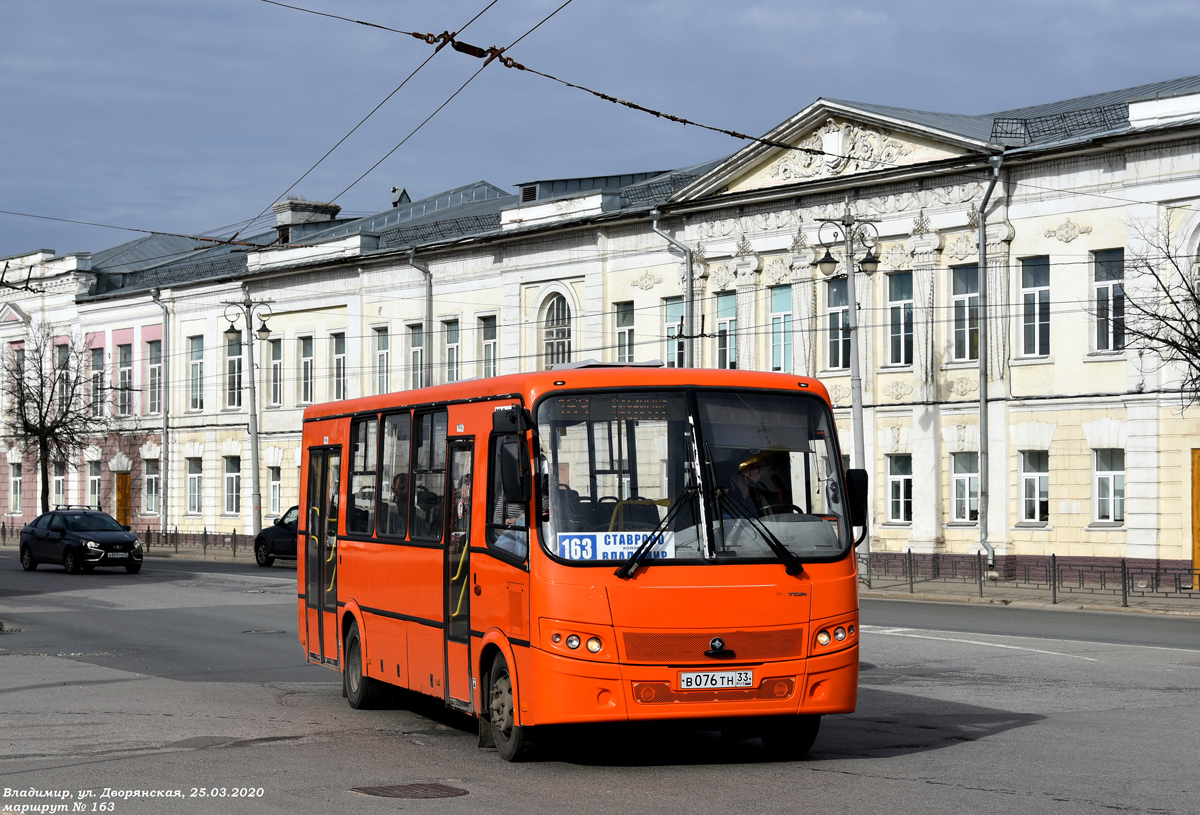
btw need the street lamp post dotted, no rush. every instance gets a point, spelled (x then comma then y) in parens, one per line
(232, 334)
(852, 228)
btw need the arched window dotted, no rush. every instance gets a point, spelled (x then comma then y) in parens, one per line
(556, 346)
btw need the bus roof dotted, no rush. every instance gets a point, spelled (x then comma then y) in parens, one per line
(533, 384)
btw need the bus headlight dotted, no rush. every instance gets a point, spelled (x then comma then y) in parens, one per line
(839, 633)
(823, 637)
(573, 641)
(594, 645)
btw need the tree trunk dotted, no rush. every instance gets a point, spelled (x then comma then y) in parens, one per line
(44, 467)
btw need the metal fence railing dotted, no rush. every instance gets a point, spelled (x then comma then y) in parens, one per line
(1050, 575)
(156, 540)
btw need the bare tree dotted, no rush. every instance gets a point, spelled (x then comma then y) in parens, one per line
(51, 406)
(1161, 304)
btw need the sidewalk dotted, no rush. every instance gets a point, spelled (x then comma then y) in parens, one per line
(994, 593)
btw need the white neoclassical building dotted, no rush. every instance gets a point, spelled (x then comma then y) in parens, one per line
(1089, 452)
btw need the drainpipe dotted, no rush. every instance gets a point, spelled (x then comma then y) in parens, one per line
(165, 403)
(995, 161)
(689, 305)
(427, 372)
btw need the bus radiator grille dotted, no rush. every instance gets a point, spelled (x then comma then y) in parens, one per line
(661, 693)
(676, 647)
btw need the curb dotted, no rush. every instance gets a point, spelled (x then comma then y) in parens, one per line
(1024, 603)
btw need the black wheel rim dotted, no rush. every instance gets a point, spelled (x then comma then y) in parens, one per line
(25, 558)
(69, 561)
(353, 666)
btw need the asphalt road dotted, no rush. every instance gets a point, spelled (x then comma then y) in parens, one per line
(189, 677)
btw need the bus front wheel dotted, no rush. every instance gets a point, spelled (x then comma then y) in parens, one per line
(512, 740)
(790, 737)
(362, 692)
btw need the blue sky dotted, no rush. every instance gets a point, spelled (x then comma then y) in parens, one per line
(188, 117)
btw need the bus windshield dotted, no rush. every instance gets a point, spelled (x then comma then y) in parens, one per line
(728, 476)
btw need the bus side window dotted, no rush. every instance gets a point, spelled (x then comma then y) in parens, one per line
(429, 475)
(360, 500)
(508, 527)
(393, 487)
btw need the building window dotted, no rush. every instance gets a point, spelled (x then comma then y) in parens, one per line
(1035, 486)
(727, 330)
(673, 314)
(233, 372)
(490, 342)
(233, 485)
(556, 332)
(150, 486)
(453, 361)
(62, 375)
(1035, 306)
(14, 488)
(276, 351)
(416, 355)
(96, 379)
(196, 372)
(383, 358)
(154, 376)
(338, 341)
(839, 324)
(900, 489)
(124, 380)
(966, 486)
(94, 484)
(1110, 299)
(195, 486)
(275, 477)
(966, 312)
(306, 370)
(624, 317)
(59, 486)
(781, 329)
(900, 318)
(1109, 487)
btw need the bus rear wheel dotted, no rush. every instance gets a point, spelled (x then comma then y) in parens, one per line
(512, 740)
(790, 737)
(362, 692)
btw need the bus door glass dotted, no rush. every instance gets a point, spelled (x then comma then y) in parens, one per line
(458, 574)
(320, 552)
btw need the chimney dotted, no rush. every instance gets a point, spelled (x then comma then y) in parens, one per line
(293, 211)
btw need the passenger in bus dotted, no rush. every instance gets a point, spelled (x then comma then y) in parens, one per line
(514, 540)
(398, 507)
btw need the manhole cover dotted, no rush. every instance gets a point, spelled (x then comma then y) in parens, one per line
(412, 791)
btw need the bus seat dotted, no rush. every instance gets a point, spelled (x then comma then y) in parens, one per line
(634, 514)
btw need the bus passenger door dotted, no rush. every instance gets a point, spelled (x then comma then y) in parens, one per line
(320, 553)
(458, 577)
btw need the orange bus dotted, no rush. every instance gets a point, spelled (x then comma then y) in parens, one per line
(591, 543)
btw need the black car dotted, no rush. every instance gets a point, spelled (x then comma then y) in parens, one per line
(278, 540)
(79, 539)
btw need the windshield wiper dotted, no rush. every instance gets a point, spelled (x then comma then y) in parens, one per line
(626, 569)
(792, 564)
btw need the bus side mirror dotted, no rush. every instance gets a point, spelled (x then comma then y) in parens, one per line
(514, 472)
(510, 419)
(856, 489)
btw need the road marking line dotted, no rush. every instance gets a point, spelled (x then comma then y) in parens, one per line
(907, 632)
(879, 629)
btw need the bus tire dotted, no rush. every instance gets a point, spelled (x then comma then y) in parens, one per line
(790, 737)
(362, 692)
(512, 740)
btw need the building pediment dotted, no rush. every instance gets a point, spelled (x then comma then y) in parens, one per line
(829, 141)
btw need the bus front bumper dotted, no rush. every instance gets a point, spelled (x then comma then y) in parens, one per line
(560, 690)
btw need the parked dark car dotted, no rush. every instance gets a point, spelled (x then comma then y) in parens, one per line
(79, 539)
(278, 540)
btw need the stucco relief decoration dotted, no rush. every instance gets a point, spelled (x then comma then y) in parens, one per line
(647, 281)
(962, 246)
(839, 394)
(1068, 231)
(962, 386)
(700, 270)
(120, 463)
(896, 390)
(723, 276)
(764, 222)
(921, 224)
(744, 249)
(855, 149)
(777, 272)
(894, 255)
(800, 255)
